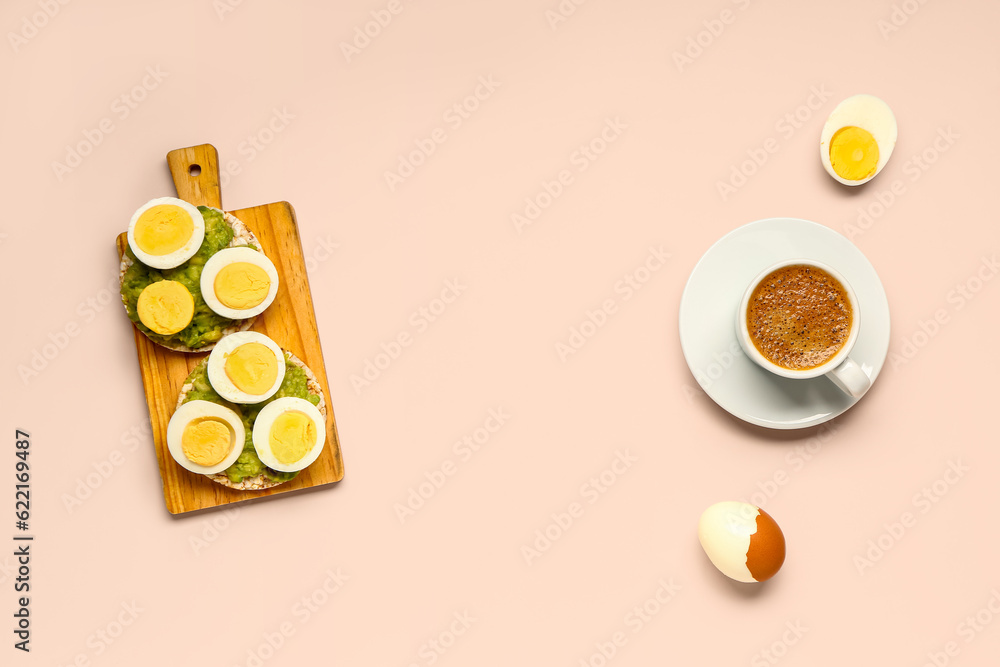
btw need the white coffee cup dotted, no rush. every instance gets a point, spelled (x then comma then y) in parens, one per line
(840, 368)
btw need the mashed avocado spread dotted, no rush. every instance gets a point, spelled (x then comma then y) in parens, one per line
(248, 465)
(206, 326)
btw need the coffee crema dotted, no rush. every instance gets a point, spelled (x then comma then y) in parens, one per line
(799, 317)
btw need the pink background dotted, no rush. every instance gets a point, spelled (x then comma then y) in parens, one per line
(213, 587)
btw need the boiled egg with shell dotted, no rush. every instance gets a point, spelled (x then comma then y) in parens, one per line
(239, 282)
(857, 139)
(246, 367)
(288, 434)
(742, 541)
(165, 307)
(205, 437)
(166, 232)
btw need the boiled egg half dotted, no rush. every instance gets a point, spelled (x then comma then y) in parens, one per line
(166, 232)
(742, 541)
(165, 307)
(239, 282)
(288, 434)
(205, 437)
(246, 367)
(858, 139)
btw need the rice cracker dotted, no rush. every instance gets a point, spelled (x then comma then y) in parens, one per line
(241, 236)
(261, 481)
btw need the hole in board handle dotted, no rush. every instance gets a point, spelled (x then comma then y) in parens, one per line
(194, 170)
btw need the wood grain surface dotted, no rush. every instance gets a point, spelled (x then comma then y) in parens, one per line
(290, 321)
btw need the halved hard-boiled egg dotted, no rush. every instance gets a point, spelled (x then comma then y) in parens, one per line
(205, 437)
(858, 139)
(166, 232)
(239, 282)
(165, 307)
(288, 434)
(741, 540)
(246, 367)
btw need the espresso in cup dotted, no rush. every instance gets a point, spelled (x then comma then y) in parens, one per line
(799, 316)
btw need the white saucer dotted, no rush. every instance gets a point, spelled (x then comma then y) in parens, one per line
(708, 323)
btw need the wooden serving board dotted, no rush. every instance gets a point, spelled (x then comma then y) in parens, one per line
(290, 321)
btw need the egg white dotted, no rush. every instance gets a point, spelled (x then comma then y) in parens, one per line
(220, 381)
(222, 259)
(869, 113)
(262, 431)
(194, 410)
(182, 254)
(724, 532)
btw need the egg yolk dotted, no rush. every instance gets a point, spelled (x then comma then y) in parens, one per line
(206, 441)
(853, 153)
(161, 230)
(252, 368)
(292, 436)
(165, 307)
(242, 285)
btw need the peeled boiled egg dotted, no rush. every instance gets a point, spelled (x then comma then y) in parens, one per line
(742, 540)
(288, 434)
(205, 437)
(246, 367)
(239, 282)
(165, 307)
(857, 139)
(166, 232)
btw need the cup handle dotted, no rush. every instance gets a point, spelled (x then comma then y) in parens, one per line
(849, 377)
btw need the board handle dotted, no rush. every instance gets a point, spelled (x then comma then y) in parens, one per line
(195, 171)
